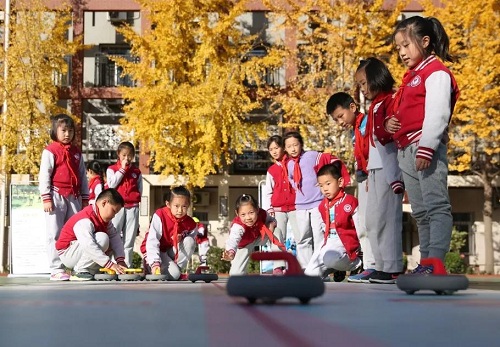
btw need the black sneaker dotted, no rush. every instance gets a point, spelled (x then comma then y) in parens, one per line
(81, 276)
(383, 277)
(338, 276)
(325, 276)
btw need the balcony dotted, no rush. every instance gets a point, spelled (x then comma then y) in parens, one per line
(109, 74)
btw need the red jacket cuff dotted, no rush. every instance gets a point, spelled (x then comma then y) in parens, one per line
(425, 153)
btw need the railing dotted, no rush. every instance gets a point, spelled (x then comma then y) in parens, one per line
(109, 74)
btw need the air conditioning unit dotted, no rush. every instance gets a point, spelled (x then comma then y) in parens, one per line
(201, 199)
(117, 16)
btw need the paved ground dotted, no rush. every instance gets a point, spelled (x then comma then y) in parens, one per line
(36, 312)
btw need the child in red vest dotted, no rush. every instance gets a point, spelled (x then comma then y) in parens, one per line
(63, 186)
(126, 178)
(170, 243)
(89, 239)
(338, 211)
(252, 227)
(202, 241)
(96, 180)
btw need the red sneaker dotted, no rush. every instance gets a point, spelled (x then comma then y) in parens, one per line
(184, 277)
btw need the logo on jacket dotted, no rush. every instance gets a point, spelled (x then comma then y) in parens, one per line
(347, 208)
(415, 81)
(134, 175)
(77, 156)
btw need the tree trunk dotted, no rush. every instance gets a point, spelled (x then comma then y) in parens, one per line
(488, 226)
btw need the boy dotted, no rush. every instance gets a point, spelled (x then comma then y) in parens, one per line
(89, 238)
(343, 110)
(339, 214)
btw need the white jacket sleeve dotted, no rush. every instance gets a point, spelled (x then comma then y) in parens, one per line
(45, 176)
(84, 232)
(235, 234)
(153, 240)
(389, 156)
(267, 192)
(116, 243)
(114, 178)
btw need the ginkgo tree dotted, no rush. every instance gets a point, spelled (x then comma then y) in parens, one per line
(35, 58)
(331, 37)
(190, 106)
(475, 126)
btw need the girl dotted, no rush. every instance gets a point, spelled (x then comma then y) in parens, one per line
(202, 241)
(384, 214)
(96, 180)
(278, 196)
(170, 241)
(126, 178)
(422, 109)
(63, 186)
(302, 168)
(340, 243)
(252, 227)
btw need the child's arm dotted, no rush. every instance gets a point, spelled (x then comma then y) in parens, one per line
(116, 244)
(393, 174)
(84, 188)
(153, 241)
(139, 183)
(114, 178)
(268, 193)
(235, 234)
(45, 179)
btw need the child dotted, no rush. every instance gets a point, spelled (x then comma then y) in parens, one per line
(342, 109)
(127, 179)
(63, 186)
(202, 241)
(339, 250)
(251, 227)
(170, 243)
(96, 180)
(89, 238)
(278, 197)
(302, 168)
(422, 109)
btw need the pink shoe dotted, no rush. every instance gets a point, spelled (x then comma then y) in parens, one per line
(60, 276)
(278, 272)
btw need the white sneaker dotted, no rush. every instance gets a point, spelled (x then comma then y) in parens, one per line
(60, 276)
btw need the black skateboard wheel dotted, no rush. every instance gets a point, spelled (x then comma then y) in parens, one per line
(129, 277)
(272, 288)
(440, 284)
(203, 277)
(156, 277)
(105, 277)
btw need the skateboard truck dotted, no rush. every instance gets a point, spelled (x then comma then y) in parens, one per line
(439, 281)
(271, 288)
(202, 275)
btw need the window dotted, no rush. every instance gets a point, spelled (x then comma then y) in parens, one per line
(107, 72)
(464, 222)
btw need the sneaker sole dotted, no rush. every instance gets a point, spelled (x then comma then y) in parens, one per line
(383, 281)
(79, 279)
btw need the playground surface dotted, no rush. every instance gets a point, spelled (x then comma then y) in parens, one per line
(37, 312)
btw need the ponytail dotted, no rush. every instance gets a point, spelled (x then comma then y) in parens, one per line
(441, 43)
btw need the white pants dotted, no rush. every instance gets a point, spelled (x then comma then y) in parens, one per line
(384, 222)
(308, 234)
(75, 257)
(331, 256)
(362, 230)
(203, 250)
(169, 266)
(63, 209)
(126, 223)
(241, 258)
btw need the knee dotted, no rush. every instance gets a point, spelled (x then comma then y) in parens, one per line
(102, 240)
(331, 259)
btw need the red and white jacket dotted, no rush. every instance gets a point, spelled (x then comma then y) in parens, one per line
(346, 207)
(128, 182)
(424, 105)
(95, 188)
(62, 170)
(278, 193)
(82, 226)
(165, 232)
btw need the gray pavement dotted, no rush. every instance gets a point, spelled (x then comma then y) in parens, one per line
(37, 312)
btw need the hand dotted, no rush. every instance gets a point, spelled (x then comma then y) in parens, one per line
(271, 212)
(392, 125)
(119, 269)
(228, 255)
(48, 206)
(122, 263)
(272, 225)
(125, 164)
(422, 164)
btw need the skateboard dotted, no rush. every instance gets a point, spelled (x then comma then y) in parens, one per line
(439, 281)
(200, 275)
(271, 288)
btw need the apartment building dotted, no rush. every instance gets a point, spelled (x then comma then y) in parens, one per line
(91, 92)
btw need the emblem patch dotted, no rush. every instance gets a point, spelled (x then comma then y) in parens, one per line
(347, 208)
(415, 81)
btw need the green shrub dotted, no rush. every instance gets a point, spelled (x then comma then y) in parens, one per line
(458, 240)
(136, 261)
(454, 263)
(217, 265)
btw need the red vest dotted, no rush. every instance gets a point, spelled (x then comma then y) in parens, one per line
(251, 233)
(410, 111)
(168, 236)
(94, 182)
(65, 176)
(128, 187)
(283, 197)
(380, 109)
(361, 144)
(67, 234)
(343, 222)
